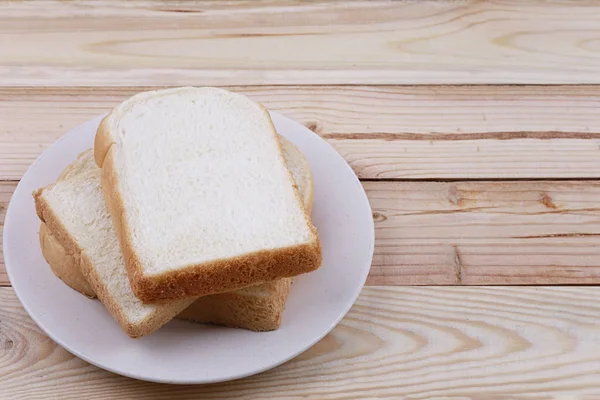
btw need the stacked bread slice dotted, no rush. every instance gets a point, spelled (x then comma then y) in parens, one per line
(189, 205)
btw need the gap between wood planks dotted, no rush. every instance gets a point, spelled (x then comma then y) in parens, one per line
(449, 180)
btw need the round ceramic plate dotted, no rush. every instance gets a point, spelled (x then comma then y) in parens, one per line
(184, 352)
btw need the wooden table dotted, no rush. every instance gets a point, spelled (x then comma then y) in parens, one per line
(474, 126)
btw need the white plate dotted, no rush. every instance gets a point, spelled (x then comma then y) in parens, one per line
(184, 352)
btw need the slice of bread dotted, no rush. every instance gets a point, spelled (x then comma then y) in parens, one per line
(258, 308)
(65, 265)
(200, 195)
(73, 210)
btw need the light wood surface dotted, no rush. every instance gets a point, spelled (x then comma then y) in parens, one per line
(500, 100)
(476, 233)
(278, 42)
(391, 132)
(485, 233)
(6, 191)
(417, 343)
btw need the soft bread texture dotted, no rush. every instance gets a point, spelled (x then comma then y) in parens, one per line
(258, 307)
(73, 210)
(200, 195)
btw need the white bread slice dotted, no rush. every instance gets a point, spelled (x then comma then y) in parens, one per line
(257, 308)
(64, 265)
(200, 194)
(73, 209)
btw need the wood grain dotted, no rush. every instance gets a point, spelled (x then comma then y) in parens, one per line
(395, 132)
(393, 86)
(485, 233)
(278, 42)
(6, 191)
(417, 343)
(477, 233)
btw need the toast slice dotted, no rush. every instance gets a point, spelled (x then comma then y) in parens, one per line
(73, 210)
(257, 308)
(199, 194)
(64, 265)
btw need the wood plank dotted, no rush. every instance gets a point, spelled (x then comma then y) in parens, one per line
(477, 233)
(472, 159)
(278, 42)
(6, 191)
(449, 132)
(485, 233)
(449, 343)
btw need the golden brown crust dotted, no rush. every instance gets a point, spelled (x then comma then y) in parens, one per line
(58, 230)
(225, 276)
(206, 278)
(310, 195)
(236, 310)
(64, 265)
(102, 141)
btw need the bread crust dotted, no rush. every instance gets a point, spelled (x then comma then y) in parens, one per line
(64, 265)
(58, 230)
(204, 279)
(102, 141)
(238, 310)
